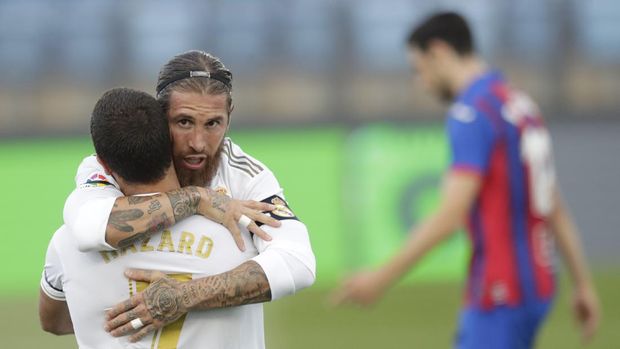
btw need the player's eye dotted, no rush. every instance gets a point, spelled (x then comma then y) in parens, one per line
(213, 123)
(184, 123)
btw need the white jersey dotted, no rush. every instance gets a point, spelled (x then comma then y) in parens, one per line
(287, 260)
(193, 248)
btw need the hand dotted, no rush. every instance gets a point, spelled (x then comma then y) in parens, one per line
(158, 305)
(587, 311)
(226, 211)
(364, 288)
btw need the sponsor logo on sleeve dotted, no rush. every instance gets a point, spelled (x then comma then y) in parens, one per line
(96, 180)
(462, 113)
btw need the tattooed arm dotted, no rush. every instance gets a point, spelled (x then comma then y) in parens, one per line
(101, 218)
(167, 299)
(136, 217)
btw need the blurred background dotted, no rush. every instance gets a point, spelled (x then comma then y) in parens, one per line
(325, 98)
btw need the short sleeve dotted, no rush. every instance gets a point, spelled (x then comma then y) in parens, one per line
(52, 276)
(287, 260)
(88, 207)
(471, 138)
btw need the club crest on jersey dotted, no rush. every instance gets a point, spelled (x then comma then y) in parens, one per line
(282, 208)
(282, 211)
(462, 113)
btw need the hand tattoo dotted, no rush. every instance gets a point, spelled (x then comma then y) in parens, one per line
(163, 300)
(219, 201)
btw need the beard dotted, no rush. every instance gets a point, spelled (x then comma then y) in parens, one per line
(204, 176)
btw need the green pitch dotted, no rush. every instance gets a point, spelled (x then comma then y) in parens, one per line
(420, 316)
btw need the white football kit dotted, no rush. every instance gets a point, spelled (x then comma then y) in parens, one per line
(91, 282)
(287, 260)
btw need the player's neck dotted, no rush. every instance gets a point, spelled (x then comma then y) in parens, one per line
(168, 183)
(467, 71)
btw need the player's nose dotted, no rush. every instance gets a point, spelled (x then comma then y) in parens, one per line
(198, 141)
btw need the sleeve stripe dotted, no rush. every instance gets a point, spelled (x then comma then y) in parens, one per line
(245, 169)
(252, 164)
(242, 165)
(49, 284)
(52, 292)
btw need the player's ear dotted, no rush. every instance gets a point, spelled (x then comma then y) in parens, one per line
(232, 107)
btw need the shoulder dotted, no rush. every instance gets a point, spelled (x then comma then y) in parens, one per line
(60, 241)
(466, 115)
(238, 162)
(245, 177)
(462, 112)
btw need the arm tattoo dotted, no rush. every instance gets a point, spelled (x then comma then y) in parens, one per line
(168, 299)
(135, 200)
(159, 223)
(119, 219)
(184, 202)
(246, 284)
(156, 224)
(154, 206)
(149, 214)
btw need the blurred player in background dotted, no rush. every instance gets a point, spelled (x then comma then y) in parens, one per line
(502, 185)
(219, 180)
(88, 283)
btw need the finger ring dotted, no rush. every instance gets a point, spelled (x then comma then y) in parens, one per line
(136, 323)
(244, 220)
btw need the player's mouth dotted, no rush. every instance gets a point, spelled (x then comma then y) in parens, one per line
(194, 162)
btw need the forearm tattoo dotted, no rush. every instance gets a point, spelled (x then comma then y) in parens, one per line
(245, 284)
(158, 223)
(184, 202)
(141, 216)
(136, 200)
(119, 219)
(154, 206)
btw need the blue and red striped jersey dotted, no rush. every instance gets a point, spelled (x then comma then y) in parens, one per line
(497, 132)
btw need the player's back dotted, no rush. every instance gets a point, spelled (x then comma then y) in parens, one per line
(193, 248)
(498, 132)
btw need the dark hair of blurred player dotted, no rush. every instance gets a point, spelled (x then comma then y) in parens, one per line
(442, 52)
(130, 135)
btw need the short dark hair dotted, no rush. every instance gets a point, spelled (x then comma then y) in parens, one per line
(131, 135)
(194, 60)
(448, 27)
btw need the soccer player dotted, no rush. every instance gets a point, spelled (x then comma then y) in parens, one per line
(91, 282)
(502, 184)
(195, 90)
